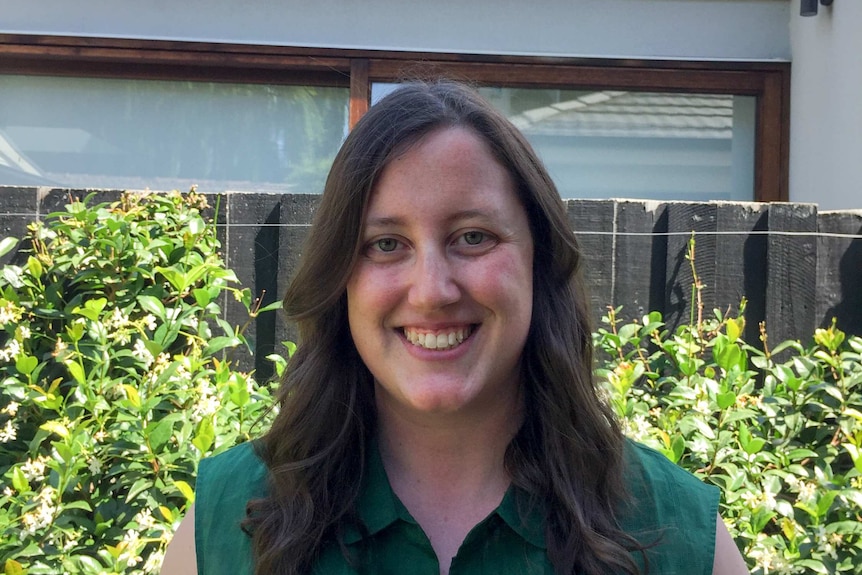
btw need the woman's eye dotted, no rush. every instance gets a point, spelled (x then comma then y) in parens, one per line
(386, 244)
(474, 238)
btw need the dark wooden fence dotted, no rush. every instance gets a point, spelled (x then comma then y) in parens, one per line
(796, 267)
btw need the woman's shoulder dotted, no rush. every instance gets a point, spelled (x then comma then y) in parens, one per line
(646, 467)
(235, 475)
(225, 484)
(239, 457)
(670, 507)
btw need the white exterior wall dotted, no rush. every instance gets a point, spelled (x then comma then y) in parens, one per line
(683, 29)
(826, 92)
(826, 106)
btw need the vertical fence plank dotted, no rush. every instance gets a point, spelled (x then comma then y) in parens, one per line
(791, 269)
(639, 257)
(252, 252)
(740, 258)
(297, 213)
(839, 271)
(595, 216)
(682, 220)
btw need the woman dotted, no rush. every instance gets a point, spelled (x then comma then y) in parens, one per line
(439, 415)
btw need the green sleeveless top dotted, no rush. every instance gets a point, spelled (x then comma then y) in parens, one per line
(668, 505)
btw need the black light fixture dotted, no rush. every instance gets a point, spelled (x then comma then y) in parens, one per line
(809, 7)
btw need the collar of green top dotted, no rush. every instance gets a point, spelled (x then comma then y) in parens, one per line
(378, 507)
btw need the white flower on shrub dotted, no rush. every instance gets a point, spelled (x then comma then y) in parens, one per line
(145, 519)
(9, 432)
(205, 406)
(700, 446)
(34, 469)
(23, 332)
(11, 351)
(142, 353)
(637, 427)
(60, 349)
(154, 562)
(95, 466)
(9, 313)
(807, 492)
(150, 322)
(11, 408)
(116, 320)
(8, 492)
(42, 516)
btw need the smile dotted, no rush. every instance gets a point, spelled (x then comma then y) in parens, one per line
(438, 339)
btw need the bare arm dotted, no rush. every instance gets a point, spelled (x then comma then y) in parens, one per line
(180, 558)
(728, 560)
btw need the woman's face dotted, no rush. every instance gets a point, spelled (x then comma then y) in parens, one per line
(440, 301)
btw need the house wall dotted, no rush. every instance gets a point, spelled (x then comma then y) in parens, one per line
(826, 118)
(826, 106)
(686, 29)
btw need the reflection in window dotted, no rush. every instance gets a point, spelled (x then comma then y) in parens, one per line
(135, 134)
(625, 144)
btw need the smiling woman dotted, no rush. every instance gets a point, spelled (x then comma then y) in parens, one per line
(439, 414)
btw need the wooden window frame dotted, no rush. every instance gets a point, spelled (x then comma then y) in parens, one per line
(768, 82)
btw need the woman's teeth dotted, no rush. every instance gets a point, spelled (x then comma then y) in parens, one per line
(441, 340)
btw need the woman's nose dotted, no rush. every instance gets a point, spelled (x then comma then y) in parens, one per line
(433, 284)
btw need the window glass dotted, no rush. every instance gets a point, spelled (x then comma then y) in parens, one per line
(627, 144)
(135, 134)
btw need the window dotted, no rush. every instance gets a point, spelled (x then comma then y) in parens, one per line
(135, 134)
(633, 144)
(133, 113)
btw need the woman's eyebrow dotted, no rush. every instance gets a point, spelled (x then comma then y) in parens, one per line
(398, 221)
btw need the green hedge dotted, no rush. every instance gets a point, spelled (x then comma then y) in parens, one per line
(116, 378)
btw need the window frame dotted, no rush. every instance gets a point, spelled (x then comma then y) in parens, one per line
(768, 82)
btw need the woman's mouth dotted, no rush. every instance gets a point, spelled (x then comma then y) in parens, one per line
(439, 339)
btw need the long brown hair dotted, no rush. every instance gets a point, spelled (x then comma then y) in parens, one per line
(568, 452)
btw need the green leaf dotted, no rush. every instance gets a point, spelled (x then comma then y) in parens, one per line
(725, 400)
(77, 505)
(219, 343)
(825, 502)
(271, 307)
(13, 567)
(186, 490)
(19, 480)
(166, 513)
(175, 277)
(202, 296)
(159, 432)
(132, 395)
(153, 305)
(733, 328)
(26, 364)
(855, 455)
(677, 447)
(812, 565)
(56, 427)
(204, 435)
(35, 267)
(138, 487)
(76, 371)
(7, 245)
(92, 308)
